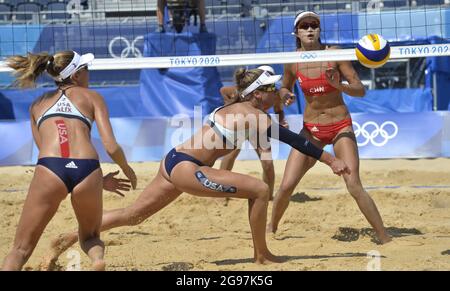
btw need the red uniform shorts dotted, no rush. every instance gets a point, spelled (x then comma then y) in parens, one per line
(327, 132)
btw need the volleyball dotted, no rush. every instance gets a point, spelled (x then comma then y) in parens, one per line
(373, 51)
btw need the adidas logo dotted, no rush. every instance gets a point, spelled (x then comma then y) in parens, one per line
(315, 129)
(71, 165)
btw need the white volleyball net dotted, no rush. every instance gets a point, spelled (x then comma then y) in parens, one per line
(125, 35)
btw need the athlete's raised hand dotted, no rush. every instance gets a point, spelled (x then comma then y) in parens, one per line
(113, 184)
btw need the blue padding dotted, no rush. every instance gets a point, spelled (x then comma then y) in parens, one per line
(385, 101)
(391, 100)
(385, 135)
(127, 101)
(121, 102)
(168, 92)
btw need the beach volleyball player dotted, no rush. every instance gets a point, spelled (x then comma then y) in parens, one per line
(188, 166)
(61, 122)
(326, 120)
(230, 93)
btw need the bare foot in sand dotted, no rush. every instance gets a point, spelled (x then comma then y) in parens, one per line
(400, 243)
(48, 264)
(99, 265)
(57, 247)
(386, 239)
(268, 259)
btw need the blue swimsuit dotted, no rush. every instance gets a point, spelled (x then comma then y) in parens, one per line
(70, 171)
(229, 137)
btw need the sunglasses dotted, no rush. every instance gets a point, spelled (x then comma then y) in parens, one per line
(306, 25)
(268, 88)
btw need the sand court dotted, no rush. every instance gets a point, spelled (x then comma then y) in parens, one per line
(322, 229)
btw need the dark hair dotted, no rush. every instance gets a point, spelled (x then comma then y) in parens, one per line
(28, 68)
(298, 42)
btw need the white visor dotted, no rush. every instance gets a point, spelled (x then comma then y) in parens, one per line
(76, 63)
(267, 69)
(305, 14)
(264, 79)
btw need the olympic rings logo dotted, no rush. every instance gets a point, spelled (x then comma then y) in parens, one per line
(376, 135)
(307, 56)
(128, 48)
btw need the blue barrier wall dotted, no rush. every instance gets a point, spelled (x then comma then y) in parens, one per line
(399, 135)
(166, 92)
(231, 36)
(127, 102)
(121, 102)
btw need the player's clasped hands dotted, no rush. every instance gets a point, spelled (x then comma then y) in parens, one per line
(287, 97)
(339, 167)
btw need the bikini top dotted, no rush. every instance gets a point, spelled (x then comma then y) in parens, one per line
(314, 86)
(229, 136)
(65, 108)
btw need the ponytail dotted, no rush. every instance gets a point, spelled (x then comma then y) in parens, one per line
(28, 68)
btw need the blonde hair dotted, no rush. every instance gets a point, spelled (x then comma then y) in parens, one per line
(245, 78)
(28, 68)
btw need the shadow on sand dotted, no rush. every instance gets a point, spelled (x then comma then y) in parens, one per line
(291, 258)
(301, 197)
(349, 234)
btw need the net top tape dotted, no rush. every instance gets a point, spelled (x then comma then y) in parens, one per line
(397, 52)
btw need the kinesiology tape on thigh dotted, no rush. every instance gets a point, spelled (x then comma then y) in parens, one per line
(213, 185)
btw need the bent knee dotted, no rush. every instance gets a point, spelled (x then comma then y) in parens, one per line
(286, 189)
(267, 166)
(263, 191)
(86, 241)
(260, 190)
(355, 189)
